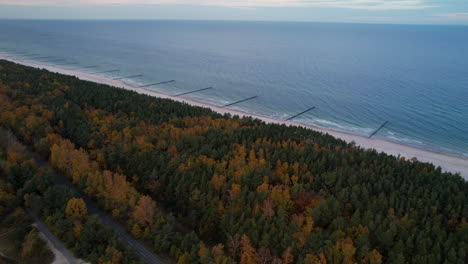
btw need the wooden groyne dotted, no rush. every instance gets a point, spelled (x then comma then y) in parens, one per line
(25, 54)
(301, 113)
(375, 132)
(126, 77)
(199, 90)
(17, 52)
(43, 57)
(31, 54)
(63, 64)
(240, 101)
(87, 67)
(54, 60)
(152, 84)
(106, 71)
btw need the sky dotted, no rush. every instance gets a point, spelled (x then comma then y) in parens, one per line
(355, 11)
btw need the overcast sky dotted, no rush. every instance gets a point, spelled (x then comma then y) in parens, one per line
(367, 11)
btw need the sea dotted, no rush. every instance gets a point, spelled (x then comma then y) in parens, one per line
(357, 76)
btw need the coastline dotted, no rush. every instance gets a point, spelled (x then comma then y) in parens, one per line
(448, 162)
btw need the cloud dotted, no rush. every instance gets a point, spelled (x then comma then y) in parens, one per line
(458, 16)
(348, 4)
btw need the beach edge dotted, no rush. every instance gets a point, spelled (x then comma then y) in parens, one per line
(448, 162)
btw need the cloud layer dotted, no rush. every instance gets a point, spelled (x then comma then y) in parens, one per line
(455, 15)
(348, 4)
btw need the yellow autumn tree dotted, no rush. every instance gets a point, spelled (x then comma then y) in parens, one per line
(235, 191)
(218, 181)
(184, 259)
(315, 259)
(247, 251)
(136, 231)
(203, 250)
(348, 250)
(374, 257)
(281, 196)
(76, 207)
(144, 211)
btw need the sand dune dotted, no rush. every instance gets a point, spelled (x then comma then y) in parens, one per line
(447, 162)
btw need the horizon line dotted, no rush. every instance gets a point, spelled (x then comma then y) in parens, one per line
(231, 20)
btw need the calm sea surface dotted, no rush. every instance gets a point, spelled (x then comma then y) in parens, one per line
(357, 76)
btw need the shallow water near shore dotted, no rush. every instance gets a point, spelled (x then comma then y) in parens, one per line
(357, 76)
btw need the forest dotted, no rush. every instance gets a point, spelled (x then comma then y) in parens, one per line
(24, 182)
(19, 240)
(200, 187)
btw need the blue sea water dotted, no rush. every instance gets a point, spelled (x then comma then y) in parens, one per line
(356, 75)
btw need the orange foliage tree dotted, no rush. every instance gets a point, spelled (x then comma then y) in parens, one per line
(144, 211)
(76, 207)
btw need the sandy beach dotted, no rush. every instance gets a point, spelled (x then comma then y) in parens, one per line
(447, 162)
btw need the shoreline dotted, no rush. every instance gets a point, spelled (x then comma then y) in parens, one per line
(448, 162)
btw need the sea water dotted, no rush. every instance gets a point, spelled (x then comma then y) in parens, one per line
(357, 76)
